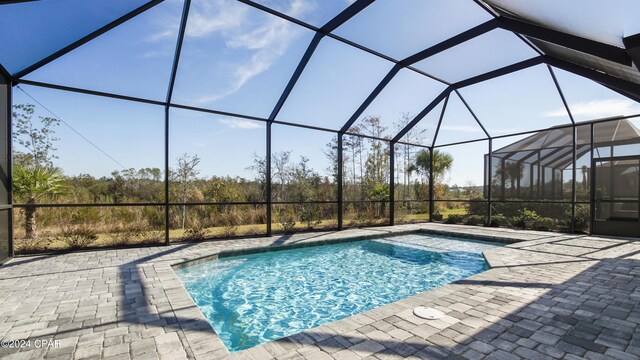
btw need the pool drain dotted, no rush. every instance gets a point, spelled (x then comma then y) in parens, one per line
(427, 313)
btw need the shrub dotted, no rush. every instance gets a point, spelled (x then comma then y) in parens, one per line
(153, 215)
(310, 215)
(121, 235)
(454, 219)
(229, 231)
(25, 246)
(545, 224)
(194, 233)
(499, 220)
(527, 218)
(287, 221)
(437, 216)
(86, 215)
(229, 224)
(77, 236)
(582, 217)
(474, 220)
(477, 206)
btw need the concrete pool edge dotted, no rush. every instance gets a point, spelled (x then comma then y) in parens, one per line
(262, 249)
(271, 248)
(491, 259)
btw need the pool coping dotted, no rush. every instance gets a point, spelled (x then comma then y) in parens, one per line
(493, 261)
(263, 249)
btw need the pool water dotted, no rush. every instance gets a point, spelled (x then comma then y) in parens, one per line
(253, 299)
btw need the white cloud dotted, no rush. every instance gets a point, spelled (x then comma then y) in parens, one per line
(266, 41)
(241, 124)
(598, 108)
(208, 17)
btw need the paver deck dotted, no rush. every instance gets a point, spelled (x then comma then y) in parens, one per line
(547, 296)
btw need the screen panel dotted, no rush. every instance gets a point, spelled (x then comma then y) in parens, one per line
(102, 150)
(134, 58)
(34, 30)
(419, 24)
(335, 82)
(236, 58)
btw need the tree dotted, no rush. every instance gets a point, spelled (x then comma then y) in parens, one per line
(31, 185)
(442, 163)
(406, 152)
(37, 141)
(585, 172)
(508, 171)
(260, 168)
(184, 175)
(331, 152)
(304, 187)
(282, 172)
(34, 175)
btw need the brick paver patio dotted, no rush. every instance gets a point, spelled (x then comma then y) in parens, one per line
(546, 296)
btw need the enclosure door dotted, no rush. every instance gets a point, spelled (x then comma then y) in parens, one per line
(615, 194)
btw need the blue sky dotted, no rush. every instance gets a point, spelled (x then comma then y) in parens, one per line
(238, 59)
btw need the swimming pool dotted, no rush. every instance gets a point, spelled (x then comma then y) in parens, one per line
(256, 298)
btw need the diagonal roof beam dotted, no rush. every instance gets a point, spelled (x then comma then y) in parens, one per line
(623, 87)
(5, 73)
(376, 91)
(422, 114)
(471, 81)
(124, 18)
(444, 110)
(451, 42)
(499, 72)
(431, 51)
(330, 26)
(296, 75)
(632, 43)
(473, 114)
(345, 15)
(9, 2)
(561, 93)
(335, 37)
(178, 50)
(491, 11)
(601, 50)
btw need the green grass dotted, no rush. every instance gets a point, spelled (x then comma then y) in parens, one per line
(446, 212)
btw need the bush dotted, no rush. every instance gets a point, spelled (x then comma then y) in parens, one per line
(310, 215)
(474, 220)
(582, 217)
(437, 216)
(194, 233)
(527, 218)
(545, 224)
(454, 219)
(498, 220)
(120, 235)
(229, 231)
(477, 206)
(77, 236)
(287, 221)
(26, 246)
(229, 224)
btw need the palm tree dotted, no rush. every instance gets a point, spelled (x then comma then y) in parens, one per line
(33, 184)
(585, 172)
(442, 163)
